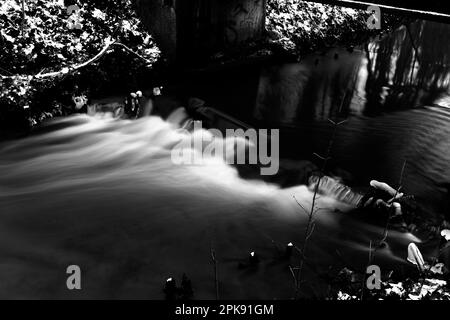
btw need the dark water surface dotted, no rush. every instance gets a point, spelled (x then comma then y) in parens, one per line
(103, 193)
(396, 101)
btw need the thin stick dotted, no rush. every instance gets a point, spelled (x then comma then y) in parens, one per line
(6, 71)
(386, 227)
(397, 191)
(400, 181)
(310, 226)
(23, 18)
(132, 52)
(368, 264)
(216, 278)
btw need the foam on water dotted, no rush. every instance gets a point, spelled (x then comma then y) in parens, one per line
(104, 195)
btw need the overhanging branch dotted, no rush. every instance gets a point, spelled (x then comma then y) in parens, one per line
(67, 70)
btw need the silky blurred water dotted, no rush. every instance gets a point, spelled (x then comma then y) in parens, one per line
(104, 195)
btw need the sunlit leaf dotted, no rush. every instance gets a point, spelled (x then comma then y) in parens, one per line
(415, 257)
(446, 234)
(437, 268)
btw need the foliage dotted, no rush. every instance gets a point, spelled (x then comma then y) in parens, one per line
(45, 43)
(428, 288)
(431, 281)
(300, 26)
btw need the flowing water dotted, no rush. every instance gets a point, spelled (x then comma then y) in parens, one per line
(394, 95)
(395, 100)
(104, 195)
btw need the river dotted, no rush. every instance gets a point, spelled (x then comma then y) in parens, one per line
(103, 194)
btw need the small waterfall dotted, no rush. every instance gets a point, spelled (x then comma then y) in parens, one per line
(102, 194)
(333, 188)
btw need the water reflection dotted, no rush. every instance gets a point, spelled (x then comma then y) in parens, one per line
(401, 72)
(412, 66)
(405, 69)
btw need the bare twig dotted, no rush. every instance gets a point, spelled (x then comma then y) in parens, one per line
(216, 278)
(397, 191)
(11, 23)
(310, 226)
(313, 225)
(132, 52)
(299, 204)
(4, 70)
(372, 251)
(23, 18)
(293, 275)
(363, 285)
(400, 182)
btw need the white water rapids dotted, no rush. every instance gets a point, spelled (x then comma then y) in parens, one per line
(104, 195)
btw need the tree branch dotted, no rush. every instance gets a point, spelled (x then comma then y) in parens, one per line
(67, 70)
